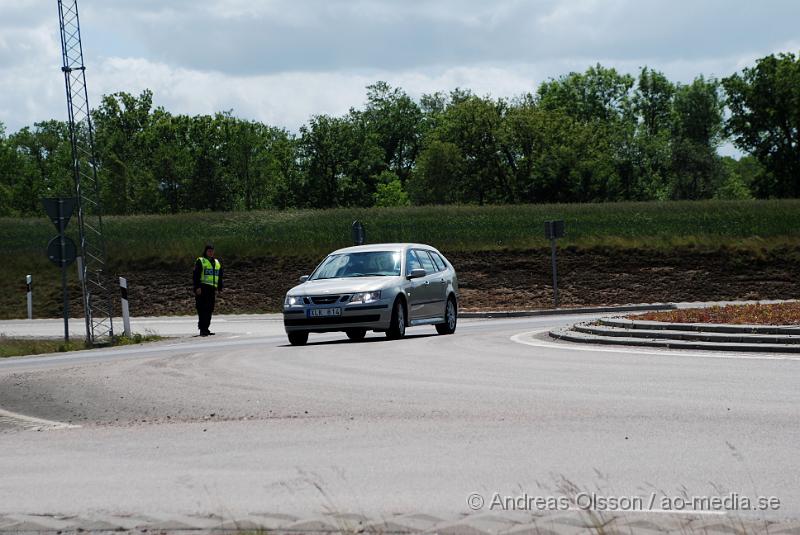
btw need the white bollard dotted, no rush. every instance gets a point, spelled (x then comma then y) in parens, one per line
(126, 319)
(30, 297)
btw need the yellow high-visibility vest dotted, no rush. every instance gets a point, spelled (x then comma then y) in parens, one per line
(210, 274)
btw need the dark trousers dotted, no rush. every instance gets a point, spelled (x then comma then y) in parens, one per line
(205, 307)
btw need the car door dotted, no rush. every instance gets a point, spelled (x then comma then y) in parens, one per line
(434, 285)
(415, 288)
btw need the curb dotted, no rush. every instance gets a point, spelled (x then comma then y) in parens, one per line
(687, 336)
(566, 311)
(571, 336)
(623, 323)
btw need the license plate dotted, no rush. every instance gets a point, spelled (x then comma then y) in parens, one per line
(324, 312)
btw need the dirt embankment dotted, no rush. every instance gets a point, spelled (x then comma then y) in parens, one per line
(503, 280)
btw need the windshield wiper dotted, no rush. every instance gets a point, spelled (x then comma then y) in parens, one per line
(371, 275)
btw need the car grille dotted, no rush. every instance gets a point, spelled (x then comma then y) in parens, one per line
(326, 299)
(310, 322)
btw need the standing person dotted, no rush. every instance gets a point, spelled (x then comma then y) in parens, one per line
(207, 282)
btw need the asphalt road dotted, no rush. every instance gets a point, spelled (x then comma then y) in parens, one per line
(242, 424)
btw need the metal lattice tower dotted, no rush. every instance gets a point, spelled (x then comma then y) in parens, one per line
(97, 295)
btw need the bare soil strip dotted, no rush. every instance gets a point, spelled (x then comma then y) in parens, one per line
(502, 280)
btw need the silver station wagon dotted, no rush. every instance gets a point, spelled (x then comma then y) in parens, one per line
(382, 288)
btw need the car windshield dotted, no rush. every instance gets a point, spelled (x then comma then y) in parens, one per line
(366, 264)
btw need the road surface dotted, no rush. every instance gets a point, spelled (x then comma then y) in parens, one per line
(240, 426)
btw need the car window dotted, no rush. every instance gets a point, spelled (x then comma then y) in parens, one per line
(427, 263)
(412, 262)
(361, 264)
(440, 265)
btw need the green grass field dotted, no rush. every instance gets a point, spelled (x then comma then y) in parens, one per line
(174, 238)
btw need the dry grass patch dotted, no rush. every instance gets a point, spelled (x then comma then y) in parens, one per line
(753, 314)
(18, 347)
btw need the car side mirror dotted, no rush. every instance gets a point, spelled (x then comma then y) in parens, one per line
(417, 273)
(304, 278)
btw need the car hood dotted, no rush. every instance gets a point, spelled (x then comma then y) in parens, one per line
(343, 286)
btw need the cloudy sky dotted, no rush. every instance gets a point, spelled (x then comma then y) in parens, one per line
(280, 61)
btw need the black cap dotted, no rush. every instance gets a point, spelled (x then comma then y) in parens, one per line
(207, 247)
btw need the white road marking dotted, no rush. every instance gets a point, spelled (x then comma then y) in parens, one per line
(31, 423)
(527, 339)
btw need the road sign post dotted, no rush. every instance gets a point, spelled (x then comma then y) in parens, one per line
(61, 250)
(63, 256)
(29, 284)
(126, 318)
(552, 231)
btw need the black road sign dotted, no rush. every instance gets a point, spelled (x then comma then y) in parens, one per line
(359, 234)
(54, 251)
(554, 229)
(67, 207)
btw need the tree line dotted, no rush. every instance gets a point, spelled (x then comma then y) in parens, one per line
(594, 136)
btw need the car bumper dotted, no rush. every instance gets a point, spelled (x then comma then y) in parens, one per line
(371, 317)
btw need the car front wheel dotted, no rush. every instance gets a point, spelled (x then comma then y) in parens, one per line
(397, 325)
(298, 338)
(450, 318)
(356, 334)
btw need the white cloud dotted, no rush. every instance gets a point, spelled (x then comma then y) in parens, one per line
(281, 61)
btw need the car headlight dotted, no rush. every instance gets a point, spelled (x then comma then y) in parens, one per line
(366, 297)
(292, 300)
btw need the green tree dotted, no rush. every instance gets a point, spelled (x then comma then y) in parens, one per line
(600, 99)
(212, 187)
(396, 121)
(606, 166)
(389, 191)
(340, 158)
(282, 164)
(599, 94)
(652, 101)
(764, 102)
(169, 159)
(474, 125)
(653, 106)
(432, 107)
(439, 173)
(42, 160)
(323, 158)
(364, 161)
(7, 165)
(121, 122)
(244, 144)
(696, 135)
(738, 179)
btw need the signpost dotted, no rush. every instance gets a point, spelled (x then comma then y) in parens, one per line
(126, 317)
(61, 250)
(358, 233)
(552, 231)
(29, 283)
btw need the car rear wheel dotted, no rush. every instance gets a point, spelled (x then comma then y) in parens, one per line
(450, 318)
(397, 325)
(298, 338)
(356, 334)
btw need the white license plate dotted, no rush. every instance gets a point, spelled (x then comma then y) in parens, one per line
(324, 312)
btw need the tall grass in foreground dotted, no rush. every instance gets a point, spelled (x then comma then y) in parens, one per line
(169, 238)
(15, 347)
